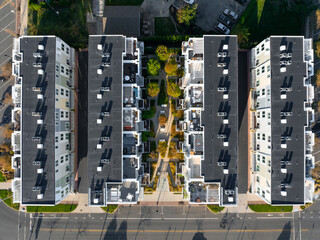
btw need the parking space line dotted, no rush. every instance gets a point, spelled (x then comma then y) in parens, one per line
(5, 38)
(6, 49)
(7, 25)
(5, 3)
(5, 15)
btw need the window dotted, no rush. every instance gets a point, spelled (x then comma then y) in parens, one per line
(62, 114)
(269, 115)
(258, 179)
(269, 171)
(67, 136)
(263, 91)
(269, 163)
(263, 114)
(67, 179)
(269, 139)
(258, 71)
(269, 147)
(57, 116)
(258, 83)
(67, 50)
(263, 193)
(269, 123)
(258, 157)
(67, 61)
(263, 137)
(258, 136)
(262, 69)
(67, 71)
(258, 93)
(258, 51)
(61, 136)
(61, 159)
(57, 139)
(67, 104)
(67, 115)
(57, 68)
(62, 69)
(62, 46)
(57, 91)
(258, 116)
(67, 147)
(67, 158)
(57, 170)
(258, 146)
(67, 126)
(62, 91)
(67, 168)
(258, 190)
(67, 93)
(268, 91)
(57, 146)
(62, 193)
(263, 159)
(268, 68)
(262, 47)
(57, 123)
(57, 163)
(258, 168)
(67, 190)
(258, 104)
(57, 99)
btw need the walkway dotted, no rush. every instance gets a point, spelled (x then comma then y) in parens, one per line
(5, 185)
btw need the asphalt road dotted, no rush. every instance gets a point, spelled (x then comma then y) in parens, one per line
(155, 223)
(7, 28)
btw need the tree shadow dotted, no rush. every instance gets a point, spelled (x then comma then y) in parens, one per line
(199, 236)
(38, 227)
(114, 234)
(286, 232)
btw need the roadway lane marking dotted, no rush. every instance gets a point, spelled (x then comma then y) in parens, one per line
(170, 231)
(190, 218)
(273, 217)
(53, 217)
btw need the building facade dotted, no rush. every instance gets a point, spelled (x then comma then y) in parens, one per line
(114, 120)
(210, 125)
(281, 113)
(43, 118)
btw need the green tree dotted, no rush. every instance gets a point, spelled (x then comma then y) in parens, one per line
(153, 89)
(318, 78)
(173, 89)
(243, 34)
(162, 53)
(317, 49)
(153, 67)
(187, 14)
(171, 68)
(34, 7)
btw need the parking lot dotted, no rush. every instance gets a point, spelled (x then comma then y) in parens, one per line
(7, 29)
(208, 12)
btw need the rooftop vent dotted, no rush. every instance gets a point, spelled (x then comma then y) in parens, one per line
(104, 139)
(39, 96)
(36, 163)
(40, 196)
(105, 114)
(225, 96)
(225, 47)
(222, 164)
(99, 71)
(99, 46)
(99, 146)
(286, 114)
(36, 89)
(222, 136)
(225, 121)
(283, 47)
(36, 55)
(222, 89)
(36, 114)
(36, 138)
(225, 144)
(289, 89)
(99, 96)
(105, 89)
(225, 71)
(37, 64)
(106, 54)
(99, 121)
(283, 69)
(222, 114)
(105, 160)
(39, 121)
(96, 200)
(40, 170)
(36, 188)
(222, 54)
(39, 146)
(225, 171)
(106, 64)
(99, 169)
(40, 47)
(221, 64)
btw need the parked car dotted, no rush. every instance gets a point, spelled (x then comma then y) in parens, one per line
(189, 1)
(222, 28)
(230, 13)
(224, 19)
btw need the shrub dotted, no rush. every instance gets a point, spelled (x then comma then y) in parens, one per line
(162, 148)
(153, 89)
(318, 18)
(173, 89)
(318, 78)
(163, 119)
(171, 68)
(317, 49)
(153, 67)
(162, 53)
(187, 14)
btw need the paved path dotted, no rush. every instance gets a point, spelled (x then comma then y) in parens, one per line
(5, 185)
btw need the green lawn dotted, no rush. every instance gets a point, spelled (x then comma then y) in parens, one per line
(147, 114)
(57, 208)
(110, 208)
(163, 96)
(164, 26)
(264, 18)
(7, 195)
(215, 208)
(2, 178)
(269, 208)
(70, 24)
(124, 2)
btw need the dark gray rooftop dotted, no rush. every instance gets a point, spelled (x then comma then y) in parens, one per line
(214, 151)
(111, 102)
(293, 77)
(122, 20)
(30, 128)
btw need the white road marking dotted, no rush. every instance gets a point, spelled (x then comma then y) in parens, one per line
(272, 217)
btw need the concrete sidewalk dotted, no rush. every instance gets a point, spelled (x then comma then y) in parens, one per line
(5, 185)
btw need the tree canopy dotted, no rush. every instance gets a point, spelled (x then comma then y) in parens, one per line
(171, 68)
(173, 89)
(153, 67)
(243, 34)
(187, 14)
(153, 89)
(163, 119)
(162, 53)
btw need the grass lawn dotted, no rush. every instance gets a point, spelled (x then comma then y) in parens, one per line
(8, 194)
(70, 24)
(215, 208)
(110, 208)
(269, 208)
(2, 178)
(163, 96)
(124, 2)
(147, 114)
(57, 208)
(264, 18)
(164, 26)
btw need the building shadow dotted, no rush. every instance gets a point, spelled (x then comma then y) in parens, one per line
(286, 232)
(199, 236)
(116, 234)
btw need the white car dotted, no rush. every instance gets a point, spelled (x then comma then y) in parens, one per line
(223, 28)
(189, 1)
(230, 13)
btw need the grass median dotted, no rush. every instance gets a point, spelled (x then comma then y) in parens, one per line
(110, 208)
(56, 208)
(6, 196)
(269, 208)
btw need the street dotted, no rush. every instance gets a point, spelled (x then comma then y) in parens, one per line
(162, 222)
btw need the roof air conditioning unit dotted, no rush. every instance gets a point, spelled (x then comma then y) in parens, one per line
(99, 121)
(39, 196)
(40, 47)
(283, 170)
(225, 71)
(283, 145)
(99, 169)
(99, 71)
(96, 200)
(39, 146)
(230, 199)
(39, 96)
(99, 96)
(225, 171)
(284, 193)
(39, 121)
(225, 121)
(40, 71)
(283, 121)
(40, 170)
(225, 47)
(222, 89)
(283, 47)
(99, 46)
(225, 144)
(36, 89)
(283, 69)
(99, 146)
(225, 96)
